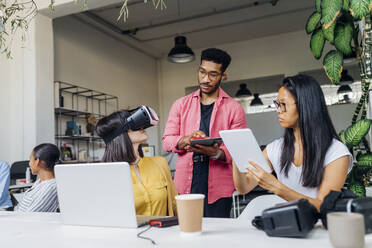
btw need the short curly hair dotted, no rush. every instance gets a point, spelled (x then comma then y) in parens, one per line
(217, 56)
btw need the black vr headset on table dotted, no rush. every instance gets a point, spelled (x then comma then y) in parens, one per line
(140, 118)
(297, 218)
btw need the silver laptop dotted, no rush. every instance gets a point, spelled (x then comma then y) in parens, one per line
(97, 194)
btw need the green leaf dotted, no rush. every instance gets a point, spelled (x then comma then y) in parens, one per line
(333, 63)
(359, 8)
(318, 5)
(330, 11)
(365, 160)
(358, 189)
(312, 22)
(343, 38)
(329, 33)
(355, 133)
(342, 136)
(317, 42)
(346, 5)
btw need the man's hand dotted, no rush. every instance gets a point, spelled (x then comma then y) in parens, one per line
(207, 150)
(184, 142)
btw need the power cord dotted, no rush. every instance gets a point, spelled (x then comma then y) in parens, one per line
(139, 235)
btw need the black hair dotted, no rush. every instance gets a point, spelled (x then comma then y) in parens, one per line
(217, 56)
(48, 153)
(316, 128)
(120, 148)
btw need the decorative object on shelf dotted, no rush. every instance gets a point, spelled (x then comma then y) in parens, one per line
(243, 91)
(66, 152)
(256, 100)
(91, 124)
(71, 128)
(346, 25)
(16, 15)
(180, 53)
(148, 151)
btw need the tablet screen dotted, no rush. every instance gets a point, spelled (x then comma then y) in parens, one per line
(243, 147)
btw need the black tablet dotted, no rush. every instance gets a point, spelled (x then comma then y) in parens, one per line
(206, 142)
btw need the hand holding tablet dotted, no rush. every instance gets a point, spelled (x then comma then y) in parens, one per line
(243, 148)
(206, 141)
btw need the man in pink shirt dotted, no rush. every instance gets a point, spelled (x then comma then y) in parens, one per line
(203, 113)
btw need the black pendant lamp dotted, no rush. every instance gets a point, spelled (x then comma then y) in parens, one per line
(256, 100)
(243, 91)
(180, 53)
(346, 79)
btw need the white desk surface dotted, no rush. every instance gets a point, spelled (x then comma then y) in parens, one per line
(21, 186)
(45, 230)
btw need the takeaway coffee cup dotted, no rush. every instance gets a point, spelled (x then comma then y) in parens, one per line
(346, 230)
(190, 213)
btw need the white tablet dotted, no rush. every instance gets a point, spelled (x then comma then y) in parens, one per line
(243, 147)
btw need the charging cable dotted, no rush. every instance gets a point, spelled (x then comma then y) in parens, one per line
(139, 235)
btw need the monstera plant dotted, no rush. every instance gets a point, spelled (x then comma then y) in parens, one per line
(16, 15)
(346, 25)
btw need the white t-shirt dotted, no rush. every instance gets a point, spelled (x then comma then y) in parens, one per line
(293, 181)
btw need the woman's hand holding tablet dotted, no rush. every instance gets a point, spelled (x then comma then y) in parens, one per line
(243, 148)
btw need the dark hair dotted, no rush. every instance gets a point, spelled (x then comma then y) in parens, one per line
(217, 56)
(121, 147)
(316, 128)
(48, 153)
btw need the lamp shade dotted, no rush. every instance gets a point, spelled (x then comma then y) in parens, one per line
(256, 100)
(180, 53)
(344, 89)
(346, 78)
(243, 91)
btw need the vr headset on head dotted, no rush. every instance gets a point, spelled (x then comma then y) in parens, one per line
(140, 118)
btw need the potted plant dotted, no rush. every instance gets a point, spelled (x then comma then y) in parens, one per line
(346, 25)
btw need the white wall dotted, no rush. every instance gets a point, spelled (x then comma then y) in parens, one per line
(27, 93)
(88, 58)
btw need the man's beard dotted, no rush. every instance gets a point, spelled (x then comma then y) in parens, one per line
(213, 90)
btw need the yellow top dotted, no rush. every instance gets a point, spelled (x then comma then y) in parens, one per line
(154, 192)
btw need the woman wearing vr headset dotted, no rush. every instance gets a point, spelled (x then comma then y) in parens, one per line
(309, 160)
(153, 188)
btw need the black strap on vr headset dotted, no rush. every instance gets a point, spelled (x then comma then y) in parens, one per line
(123, 128)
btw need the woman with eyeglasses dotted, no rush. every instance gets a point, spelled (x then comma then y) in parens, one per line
(309, 160)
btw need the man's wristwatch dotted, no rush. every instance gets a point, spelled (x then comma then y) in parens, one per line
(217, 156)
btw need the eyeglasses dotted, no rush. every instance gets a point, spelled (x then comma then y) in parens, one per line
(213, 76)
(281, 105)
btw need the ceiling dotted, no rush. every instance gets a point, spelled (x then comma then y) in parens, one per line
(204, 22)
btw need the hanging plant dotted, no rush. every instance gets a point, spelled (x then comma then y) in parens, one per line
(346, 24)
(16, 15)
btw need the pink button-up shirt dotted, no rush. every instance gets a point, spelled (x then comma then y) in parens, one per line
(184, 118)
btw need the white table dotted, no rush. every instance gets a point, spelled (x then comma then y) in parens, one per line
(45, 230)
(21, 186)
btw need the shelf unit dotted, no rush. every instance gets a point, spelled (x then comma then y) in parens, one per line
(75, 103)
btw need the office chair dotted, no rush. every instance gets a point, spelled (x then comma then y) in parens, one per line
(258, 204)
(18, 171)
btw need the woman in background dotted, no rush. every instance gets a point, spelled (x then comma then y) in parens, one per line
(309, 160)
(42, 196)
(153, 187)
